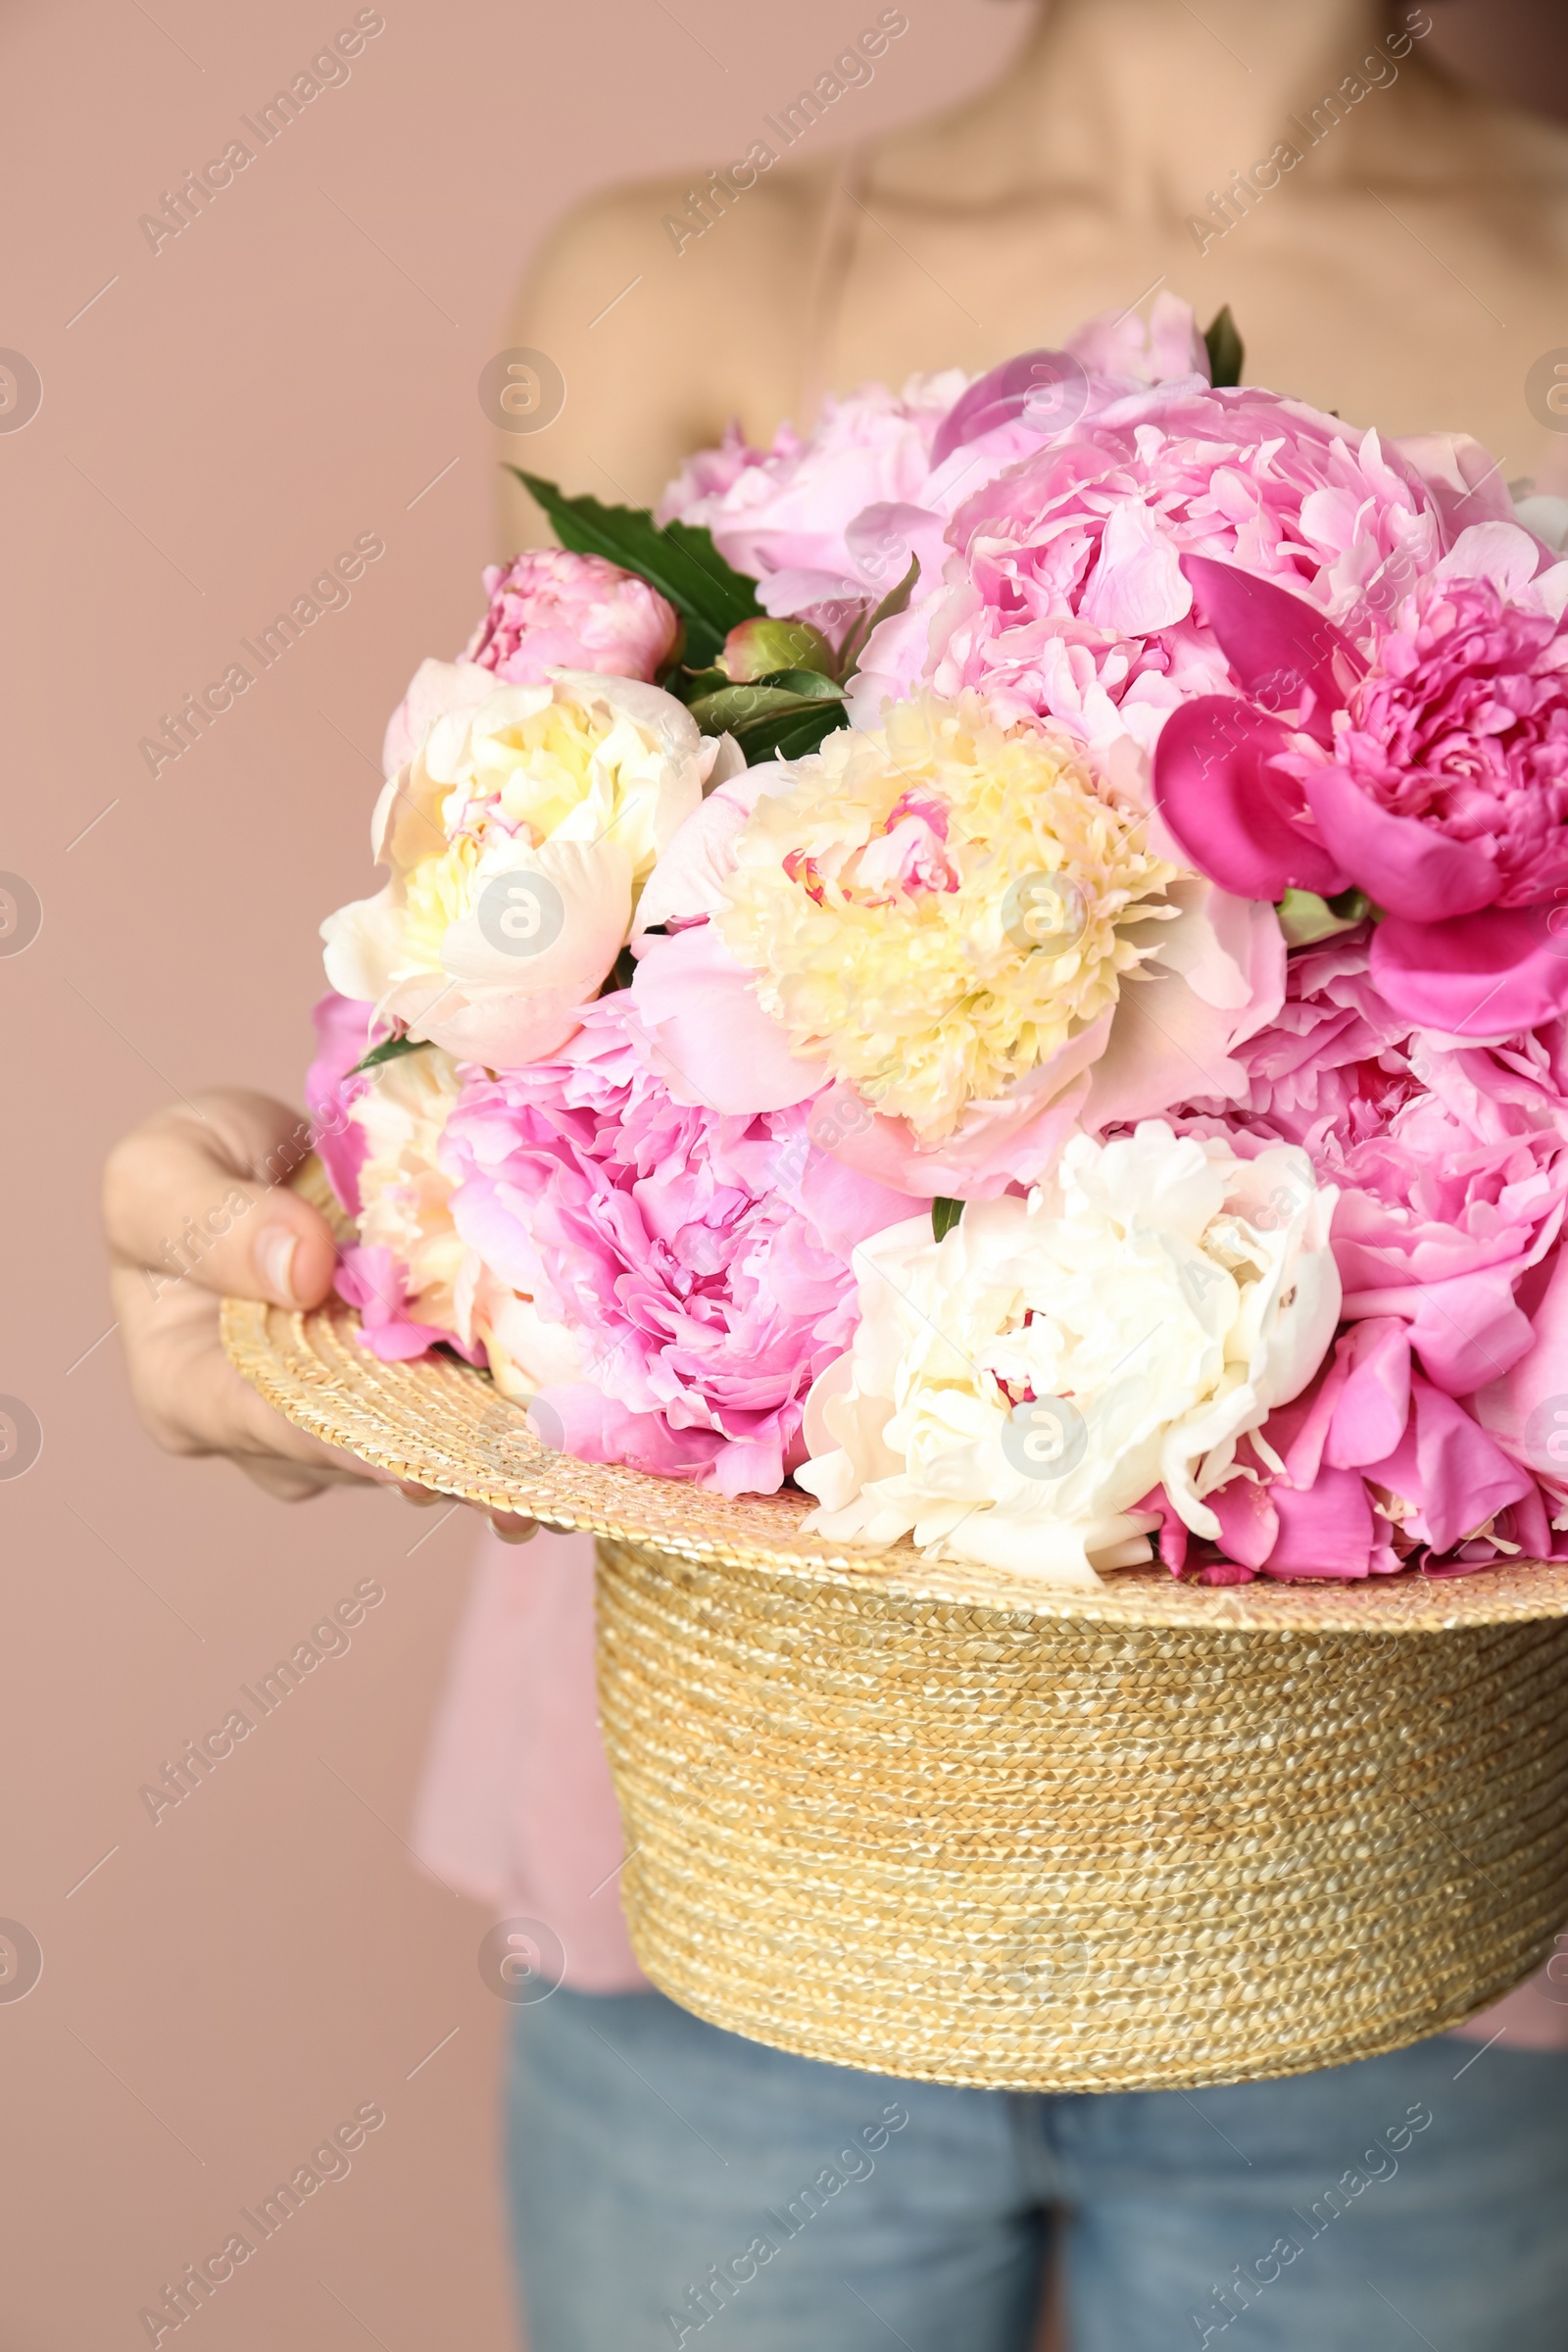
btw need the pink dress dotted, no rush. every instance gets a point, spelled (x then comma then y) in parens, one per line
(516, 1805)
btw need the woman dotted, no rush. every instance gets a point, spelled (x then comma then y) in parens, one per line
(668, 2177)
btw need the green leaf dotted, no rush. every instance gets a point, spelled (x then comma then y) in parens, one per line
(734, 709)
(896, 600)
(391, 1049)
(812, 685)
(682, 562)
(690, 685)
(1226, 350)
(1305, 918)
(945, 1214)
(792, 733)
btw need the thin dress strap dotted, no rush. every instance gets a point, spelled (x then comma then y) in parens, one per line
(837, 235)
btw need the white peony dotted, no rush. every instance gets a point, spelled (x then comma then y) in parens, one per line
(1014, 1389)
(520, 836)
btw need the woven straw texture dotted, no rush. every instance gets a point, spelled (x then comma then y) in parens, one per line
(975, 1845)
(955, 1826)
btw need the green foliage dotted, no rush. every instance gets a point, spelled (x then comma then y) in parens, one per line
(711, 596)
(896, 600)
(945, 1214)
(391, 1049)
(1226, 350)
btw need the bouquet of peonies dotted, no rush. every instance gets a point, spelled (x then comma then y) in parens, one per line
(1008, 963)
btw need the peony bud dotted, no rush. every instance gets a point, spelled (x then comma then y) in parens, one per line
(758, 648)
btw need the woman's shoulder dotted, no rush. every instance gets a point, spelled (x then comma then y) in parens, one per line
(669, 305)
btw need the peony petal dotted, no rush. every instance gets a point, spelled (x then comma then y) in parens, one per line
(996, 1146)
(1049, 384)
(1326, 1530)
(572, 905)
(1462, 476)
(688, 880)
(1499, 551)
(1249, 1523)
(1278, 645)
(437, 690)
(1480, 977)
(710, 1039)
(1372, 1406)
(1136, 585)
(1233, 817)
(1402, 862)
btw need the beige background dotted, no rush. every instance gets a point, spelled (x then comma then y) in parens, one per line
(291, 371)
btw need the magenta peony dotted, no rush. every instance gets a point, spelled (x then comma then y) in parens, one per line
(1436, 778)
(700, 1263)
(552, 609)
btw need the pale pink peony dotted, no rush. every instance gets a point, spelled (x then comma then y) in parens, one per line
(1074, 602)
(552, 610)
(700, 1263)
(788, 509)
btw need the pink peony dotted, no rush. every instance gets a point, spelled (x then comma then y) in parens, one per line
(787, 509)
(376, 1283)
(552, 610)
(342, 1039)
(699, 1261)
(1453, 1170)
(1074, 603)
(1436, 777)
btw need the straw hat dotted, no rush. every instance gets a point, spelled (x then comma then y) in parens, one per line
(945, 1823)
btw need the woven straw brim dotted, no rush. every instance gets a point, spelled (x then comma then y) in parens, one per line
(437, 1422)
(957, 1825)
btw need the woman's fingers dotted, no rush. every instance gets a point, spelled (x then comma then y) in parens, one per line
(197, 1206)
(199, 1195)
(513, 1530)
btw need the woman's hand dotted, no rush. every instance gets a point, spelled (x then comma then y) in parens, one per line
(193, 1215)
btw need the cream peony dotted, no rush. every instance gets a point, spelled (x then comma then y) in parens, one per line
(1014, 1391)
(518, 837)
(980, 933)
(403, 1197)
(436, 1280)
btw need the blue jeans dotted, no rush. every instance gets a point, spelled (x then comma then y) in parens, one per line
(673, 2184)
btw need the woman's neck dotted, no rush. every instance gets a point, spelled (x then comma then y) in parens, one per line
(1140, 99)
